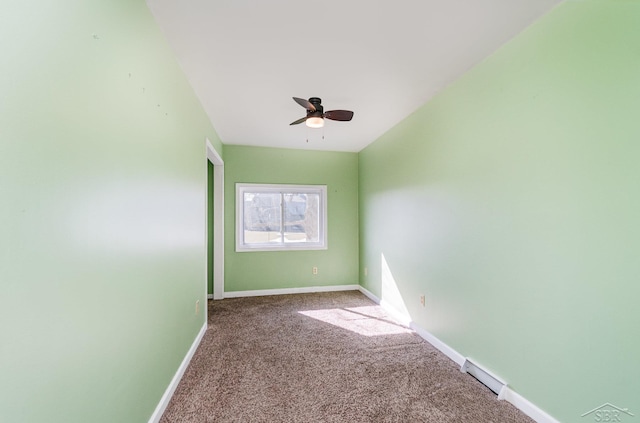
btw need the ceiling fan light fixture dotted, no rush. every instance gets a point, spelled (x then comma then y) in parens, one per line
(316, 115)
(315, 122)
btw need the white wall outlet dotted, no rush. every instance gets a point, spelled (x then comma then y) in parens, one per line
(197, 307)
(422, 300)
(366, 271)
(314, 270)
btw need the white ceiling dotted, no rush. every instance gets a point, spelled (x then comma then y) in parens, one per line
(382, 59)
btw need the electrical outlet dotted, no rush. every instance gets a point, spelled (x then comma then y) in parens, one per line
(366, 271)
(314, 270)
(422, 300)
(197, 307)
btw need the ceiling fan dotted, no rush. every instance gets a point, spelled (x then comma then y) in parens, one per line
(316, 114)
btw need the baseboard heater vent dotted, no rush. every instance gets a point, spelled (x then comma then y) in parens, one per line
(486, 378)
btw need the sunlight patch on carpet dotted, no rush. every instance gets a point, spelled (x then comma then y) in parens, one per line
(366, 321)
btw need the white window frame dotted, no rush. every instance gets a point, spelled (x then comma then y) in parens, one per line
(241, 188)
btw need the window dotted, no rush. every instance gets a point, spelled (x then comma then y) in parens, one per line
(281, 217)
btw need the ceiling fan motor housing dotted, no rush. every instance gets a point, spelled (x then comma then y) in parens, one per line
(319, 109)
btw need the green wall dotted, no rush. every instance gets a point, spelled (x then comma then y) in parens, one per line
(512, 202)
(102, 187)
(338, 265)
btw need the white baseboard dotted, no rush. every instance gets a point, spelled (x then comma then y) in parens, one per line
(395, 314)
(527, 407)
(369, 294)
(284, 291)
(454, 355)
(168, 393)
(506, 393)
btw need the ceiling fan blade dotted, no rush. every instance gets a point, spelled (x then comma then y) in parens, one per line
(305, 103)
(343, 115)
(298, 121)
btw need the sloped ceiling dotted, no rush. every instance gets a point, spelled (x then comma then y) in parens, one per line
(382, 59)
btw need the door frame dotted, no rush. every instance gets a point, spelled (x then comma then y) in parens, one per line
(218, 219)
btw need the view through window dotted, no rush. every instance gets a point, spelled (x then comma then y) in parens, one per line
(280, 217)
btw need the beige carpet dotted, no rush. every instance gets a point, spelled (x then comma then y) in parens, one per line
(330, 357)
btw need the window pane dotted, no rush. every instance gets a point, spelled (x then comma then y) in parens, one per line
(271, 217)
(262, 218)
(301, 222)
